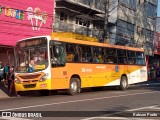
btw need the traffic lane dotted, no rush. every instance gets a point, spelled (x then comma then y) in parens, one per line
(88, 101)
(148, 112)
(112, 103)
(122, 93)
(142, 113)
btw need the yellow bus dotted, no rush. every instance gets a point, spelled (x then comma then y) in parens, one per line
(47, 63)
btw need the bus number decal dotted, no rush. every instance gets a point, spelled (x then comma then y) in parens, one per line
(86, 70)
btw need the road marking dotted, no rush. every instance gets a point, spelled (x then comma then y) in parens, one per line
(83, 100)
(157, 108)
(119, 118)
(13, 118)
(122, 118)
(149, 107)
(106, 118)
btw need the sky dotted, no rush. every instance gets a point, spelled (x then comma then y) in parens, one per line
(158, 13)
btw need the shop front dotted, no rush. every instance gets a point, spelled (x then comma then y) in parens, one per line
(22, 19)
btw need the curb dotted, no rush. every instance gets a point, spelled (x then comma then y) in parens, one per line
(145, 84)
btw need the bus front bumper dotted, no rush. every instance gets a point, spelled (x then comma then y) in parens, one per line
(46, 85)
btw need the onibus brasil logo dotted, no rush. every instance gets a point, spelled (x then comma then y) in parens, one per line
(37, 17)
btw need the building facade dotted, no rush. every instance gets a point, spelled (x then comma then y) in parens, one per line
(128, 22)
(22, 19)
(124, 22)
(158, 25)
(156, 58)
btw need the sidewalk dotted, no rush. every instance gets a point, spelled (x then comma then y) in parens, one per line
(151, 82)
(3, 91)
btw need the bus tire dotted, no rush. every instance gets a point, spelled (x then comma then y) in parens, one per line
(74, 86)
(123, 83)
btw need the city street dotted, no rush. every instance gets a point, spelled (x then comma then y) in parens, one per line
(92, 105)
(51, 50)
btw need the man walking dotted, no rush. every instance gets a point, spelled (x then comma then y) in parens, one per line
(6, 72)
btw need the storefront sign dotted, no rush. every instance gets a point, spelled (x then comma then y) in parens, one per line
(24, 18)
(10, 12)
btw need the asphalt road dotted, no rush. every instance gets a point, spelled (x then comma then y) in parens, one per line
(88, 105)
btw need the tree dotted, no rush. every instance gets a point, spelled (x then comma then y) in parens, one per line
(108, 6)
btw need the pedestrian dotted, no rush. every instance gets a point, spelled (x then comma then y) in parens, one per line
(158, 73)
(11, 81)
(152, 73)
(149, 70)
(5, 73)
(1, 72)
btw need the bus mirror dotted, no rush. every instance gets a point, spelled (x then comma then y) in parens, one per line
(56, 63)
(54, 60)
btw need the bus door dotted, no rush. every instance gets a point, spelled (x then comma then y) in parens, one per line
(58, 62)
(10, 56)
(113, 67)
(131, 66)
(122, 63)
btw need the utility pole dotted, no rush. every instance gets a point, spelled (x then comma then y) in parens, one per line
(148, 43)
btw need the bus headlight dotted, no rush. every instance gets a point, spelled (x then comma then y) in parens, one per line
(44, 78)
(17, 81)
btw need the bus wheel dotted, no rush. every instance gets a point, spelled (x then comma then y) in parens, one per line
(123, 83)
(44, 92)
(74, 87)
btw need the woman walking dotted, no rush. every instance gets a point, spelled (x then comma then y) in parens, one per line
(11, 82)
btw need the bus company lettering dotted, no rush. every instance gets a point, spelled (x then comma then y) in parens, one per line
(33, 14)
(43, 85)
(101, 67)
(86, 70)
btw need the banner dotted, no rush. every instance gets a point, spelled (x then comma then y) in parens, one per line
(21, 19)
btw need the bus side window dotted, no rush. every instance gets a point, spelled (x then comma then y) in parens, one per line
(70, 52)
(70, 57)
(111, 56)
(85, 55)
(51, 52)
(122, 58)
(78, 53)
(98, 55)
(131, 57)
(58, 55)
(140, 60)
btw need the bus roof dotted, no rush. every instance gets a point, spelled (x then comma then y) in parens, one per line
(73, 39)
(32, 38)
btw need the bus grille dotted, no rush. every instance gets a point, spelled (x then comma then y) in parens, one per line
(29, 81)
(29, 86)
(30, 76)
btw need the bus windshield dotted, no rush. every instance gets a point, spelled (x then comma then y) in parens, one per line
(31, 55)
